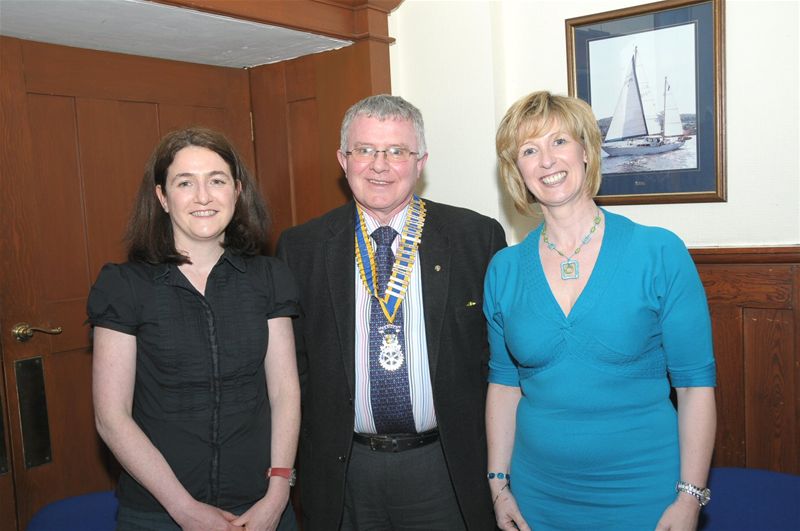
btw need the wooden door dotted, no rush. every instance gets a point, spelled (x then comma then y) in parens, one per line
(77, 128)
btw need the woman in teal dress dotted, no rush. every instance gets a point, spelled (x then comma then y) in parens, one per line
(592, 319)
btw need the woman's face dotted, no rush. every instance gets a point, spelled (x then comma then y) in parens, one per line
(553, 167)
(199, 195)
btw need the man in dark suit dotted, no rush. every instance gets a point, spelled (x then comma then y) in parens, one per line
(392, 348)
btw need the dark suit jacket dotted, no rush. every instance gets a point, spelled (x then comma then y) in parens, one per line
(456, 247)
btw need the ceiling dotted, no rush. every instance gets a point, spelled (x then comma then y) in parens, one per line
(141, 27)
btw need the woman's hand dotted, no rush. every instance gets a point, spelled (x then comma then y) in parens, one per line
(507, 514)
(681, 515)
(199, 516)
(265, 514)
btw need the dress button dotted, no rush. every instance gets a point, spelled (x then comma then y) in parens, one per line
(341, 458)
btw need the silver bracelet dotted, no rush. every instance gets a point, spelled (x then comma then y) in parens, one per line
(703, 495)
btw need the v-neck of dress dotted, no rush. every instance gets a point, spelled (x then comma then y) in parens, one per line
(607, 260)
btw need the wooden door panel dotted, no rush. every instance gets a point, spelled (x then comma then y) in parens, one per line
(56, 196)
(116, 138)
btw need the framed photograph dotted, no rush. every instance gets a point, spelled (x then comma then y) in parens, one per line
(655, 77)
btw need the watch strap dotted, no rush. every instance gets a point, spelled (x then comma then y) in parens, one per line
(288, 473)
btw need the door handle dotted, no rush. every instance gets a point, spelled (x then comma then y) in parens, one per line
(24, 331)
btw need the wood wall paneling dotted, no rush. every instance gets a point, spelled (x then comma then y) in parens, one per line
(298, 107)
(754, 299)
(344, 77)
(772, 438)
(730, 445)
(271, 144)
(303, 153)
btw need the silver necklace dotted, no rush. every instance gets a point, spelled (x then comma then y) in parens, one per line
(569, 267)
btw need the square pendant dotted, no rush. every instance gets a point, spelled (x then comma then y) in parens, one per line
(569, 269)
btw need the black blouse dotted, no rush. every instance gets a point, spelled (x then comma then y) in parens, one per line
(200, 393)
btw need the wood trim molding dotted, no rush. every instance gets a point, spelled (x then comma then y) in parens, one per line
(354, 20)
(788, 254)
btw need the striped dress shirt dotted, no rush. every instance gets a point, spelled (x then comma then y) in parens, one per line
(415, 350)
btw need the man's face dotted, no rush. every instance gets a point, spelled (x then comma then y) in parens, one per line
(381, 187)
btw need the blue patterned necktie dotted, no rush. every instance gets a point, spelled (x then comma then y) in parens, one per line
(388, 374)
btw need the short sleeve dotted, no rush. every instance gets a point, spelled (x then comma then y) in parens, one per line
(502, 368)
(111, 302)
(284, 287)
(685, 320)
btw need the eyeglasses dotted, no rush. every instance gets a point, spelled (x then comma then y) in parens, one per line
(369, 153)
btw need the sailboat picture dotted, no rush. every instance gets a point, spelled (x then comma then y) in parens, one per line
(640, 125)
(643, 91)
(654, 78)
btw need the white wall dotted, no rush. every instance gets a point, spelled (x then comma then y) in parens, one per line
(464, 62)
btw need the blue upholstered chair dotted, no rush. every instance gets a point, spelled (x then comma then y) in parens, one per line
(96, 511)
(750, 499)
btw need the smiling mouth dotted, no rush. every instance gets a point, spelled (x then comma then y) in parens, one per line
(554, 178)
(379, 183)
(203, 213)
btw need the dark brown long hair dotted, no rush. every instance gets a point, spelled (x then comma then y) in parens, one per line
(149, 235)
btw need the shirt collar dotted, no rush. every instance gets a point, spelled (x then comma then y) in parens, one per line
(397, 222)
(237, 261)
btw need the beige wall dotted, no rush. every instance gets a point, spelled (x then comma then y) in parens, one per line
(463, 62)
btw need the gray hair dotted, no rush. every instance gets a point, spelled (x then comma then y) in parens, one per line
(383, 107)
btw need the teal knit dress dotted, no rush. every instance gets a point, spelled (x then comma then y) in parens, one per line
(596, 443)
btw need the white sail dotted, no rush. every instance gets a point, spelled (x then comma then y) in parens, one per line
(628, 119)
(635, 113)
(637, 127)
(672, 117)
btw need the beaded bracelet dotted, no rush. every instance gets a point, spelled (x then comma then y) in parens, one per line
(499, 475)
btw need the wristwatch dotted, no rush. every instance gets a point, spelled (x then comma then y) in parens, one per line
(703, 495)
(288, 473)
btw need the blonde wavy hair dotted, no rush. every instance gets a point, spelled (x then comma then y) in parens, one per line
(533, 116)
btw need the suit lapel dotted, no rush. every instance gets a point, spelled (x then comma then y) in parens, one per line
(340, 267)
(434, 252)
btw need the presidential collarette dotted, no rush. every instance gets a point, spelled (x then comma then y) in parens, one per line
(404, 258)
